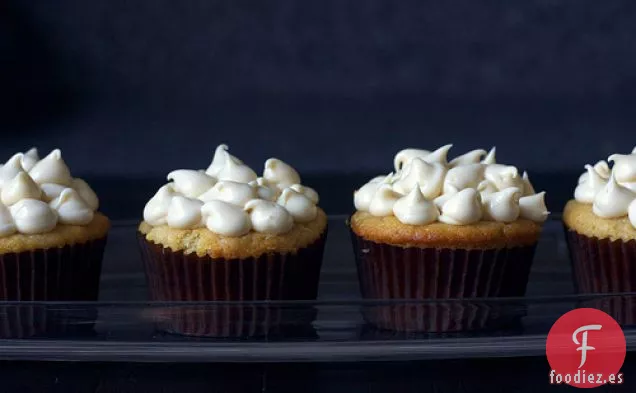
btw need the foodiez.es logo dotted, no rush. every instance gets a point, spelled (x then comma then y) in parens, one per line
(585, 349)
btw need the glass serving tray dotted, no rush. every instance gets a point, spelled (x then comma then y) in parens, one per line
(125, 326)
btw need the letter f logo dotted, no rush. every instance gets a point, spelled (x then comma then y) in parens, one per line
(584, 347)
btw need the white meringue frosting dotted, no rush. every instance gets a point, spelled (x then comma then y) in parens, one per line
(298, 205)
(225, 218)
(472, 187)
(38, 194)
(231, 192)
(229, 199)
(462, 208)
(610, 190)
(184, 212)
(415, 209)
(32, 216)
(71, 208)
(503, 205)
(191, 183)
(631, 212)
(429, 176)
(383, 200)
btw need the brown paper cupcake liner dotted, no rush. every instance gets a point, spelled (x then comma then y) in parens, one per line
(604, 266)
(389, 272)
(175, 276)
(69, 273)
(601, 265)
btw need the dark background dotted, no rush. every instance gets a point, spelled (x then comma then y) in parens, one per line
(130, 90)
(137, 88)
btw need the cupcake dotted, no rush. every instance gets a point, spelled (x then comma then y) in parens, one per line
(600, 224)
(51, 236)
(435, 229)
(225, 234)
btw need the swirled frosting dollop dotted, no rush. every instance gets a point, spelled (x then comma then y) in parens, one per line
(426, 187)
(230, 199)
(37, 194)
(610, 190)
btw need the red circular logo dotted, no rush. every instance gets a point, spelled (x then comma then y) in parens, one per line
(585, 349)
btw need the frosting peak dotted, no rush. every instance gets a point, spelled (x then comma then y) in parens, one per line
(624, 169)
(156, 210)
(230, 199)
(430, 177)
(490, 157)
(414, 209)
(611, 191)
(20, 187)
(225, 219)
(383, 201)
(230, 192)
(11, 169)
(32, 216)
(439, 155)
(464, 176)
(268, 216)
(469, 188)
(184, 213)
(503, 176)
(601, 168)
(532, 207)
(218, 162)
(235, 170)
(37, 195)
(503, 205)
(190, 183)
(72, 209)
(306, 191)
(613, 200)
(279, 173)
(52, 169)
(404, 156)
(298, 205)
(528, 189)
(591, 185)
(462, 208)
(472, 157)
(30, 158)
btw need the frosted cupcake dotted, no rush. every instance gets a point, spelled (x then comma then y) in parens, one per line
(225, 234)
(52, 238)
(600, 225)
(435, 229)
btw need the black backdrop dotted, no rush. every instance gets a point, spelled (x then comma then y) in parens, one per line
(132, 89)
(137, 88)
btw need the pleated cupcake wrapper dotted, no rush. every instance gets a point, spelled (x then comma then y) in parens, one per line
(604, 266)
(175, 276)
(389, 272)
(69, 273)
(601, 265)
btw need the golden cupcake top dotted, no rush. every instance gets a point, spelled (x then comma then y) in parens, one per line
(425, 188)
(611, 191)
(230, 199)
(37, 195)
(481, 235)
(201, 241)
